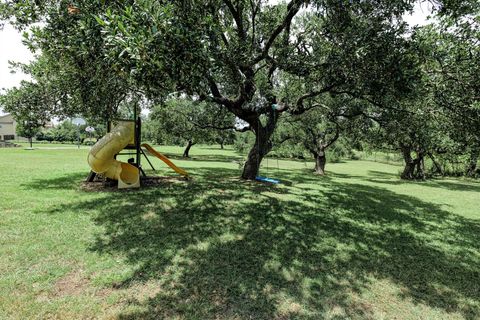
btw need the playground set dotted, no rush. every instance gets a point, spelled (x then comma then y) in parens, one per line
(125, 135)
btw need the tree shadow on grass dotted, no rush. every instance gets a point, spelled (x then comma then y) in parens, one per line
(225, 248)
(457, 186)
(382, 174)
(431, 182)
(69, 181)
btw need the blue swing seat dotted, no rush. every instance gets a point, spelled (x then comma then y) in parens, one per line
(265, 179)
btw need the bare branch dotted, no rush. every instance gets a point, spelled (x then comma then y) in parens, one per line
(292, 9)
(254, 9)
(237, 16)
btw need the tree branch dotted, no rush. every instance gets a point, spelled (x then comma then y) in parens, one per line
(292, 9)
(335, 138)
(213, 126)
(371, 101)
(237, 16)
(300, 108)
(254, 9)
(284, 139)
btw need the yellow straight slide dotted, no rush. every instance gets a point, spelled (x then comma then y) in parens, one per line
(101, 157)
(165, 159)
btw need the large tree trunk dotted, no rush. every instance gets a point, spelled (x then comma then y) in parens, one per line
(30, 141)
(260, 149)
(408, 171)
(187, 149)
(414, 168)
(320, 161)
(472, 163)
(420, 163)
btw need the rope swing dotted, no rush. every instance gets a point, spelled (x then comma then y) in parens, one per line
(275, 107)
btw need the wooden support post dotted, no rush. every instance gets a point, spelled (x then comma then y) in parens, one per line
(138, 138)
(91, 176)
(148, 160)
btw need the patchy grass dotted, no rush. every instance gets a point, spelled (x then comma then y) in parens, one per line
(357, 244)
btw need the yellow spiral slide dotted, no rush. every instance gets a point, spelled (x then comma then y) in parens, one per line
(101, 157)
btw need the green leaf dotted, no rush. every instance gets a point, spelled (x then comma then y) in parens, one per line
(100, 21)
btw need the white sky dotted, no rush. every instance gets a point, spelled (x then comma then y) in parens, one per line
(12, 48)
(419, 15)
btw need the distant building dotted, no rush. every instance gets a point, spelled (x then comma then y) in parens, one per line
(8, 127)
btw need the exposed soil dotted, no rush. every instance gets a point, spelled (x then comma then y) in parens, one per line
(146, 182)
(71, 284)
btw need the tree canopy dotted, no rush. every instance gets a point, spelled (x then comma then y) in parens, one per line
(187, 122)
(255, 59)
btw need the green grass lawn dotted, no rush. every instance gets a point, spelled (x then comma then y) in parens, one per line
(356, 244)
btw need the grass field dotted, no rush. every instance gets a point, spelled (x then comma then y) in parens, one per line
(356, 244)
